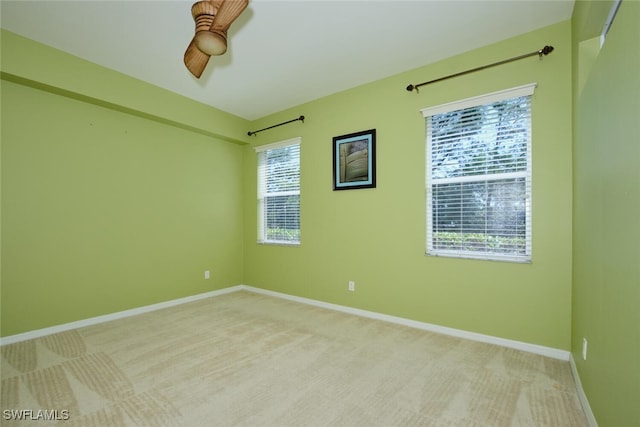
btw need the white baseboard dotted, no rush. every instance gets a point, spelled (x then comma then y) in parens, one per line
(518, 345)
(112, 316)
(591, 419)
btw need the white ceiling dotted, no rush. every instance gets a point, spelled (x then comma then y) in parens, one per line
(281, 53)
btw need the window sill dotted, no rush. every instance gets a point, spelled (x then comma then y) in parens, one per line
(512, 259)
(276, 243)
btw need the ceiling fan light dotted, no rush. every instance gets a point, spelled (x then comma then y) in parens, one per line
(211, 43)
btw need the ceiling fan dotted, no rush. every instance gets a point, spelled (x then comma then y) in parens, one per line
(213, 18)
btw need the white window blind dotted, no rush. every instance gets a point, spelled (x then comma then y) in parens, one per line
(279, 192)
(479, 177)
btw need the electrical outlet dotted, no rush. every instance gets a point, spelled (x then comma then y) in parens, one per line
(352, 285)
(584, 349)
(207, 274)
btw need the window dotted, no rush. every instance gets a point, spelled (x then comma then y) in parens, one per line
(479, 177)
(279, 192)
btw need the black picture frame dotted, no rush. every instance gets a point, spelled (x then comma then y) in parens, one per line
(354, 160)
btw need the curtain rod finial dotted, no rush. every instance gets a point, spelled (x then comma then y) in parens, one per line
(545, 50)
(410, 88)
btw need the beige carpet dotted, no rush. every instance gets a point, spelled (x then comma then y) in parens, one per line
(252, 360)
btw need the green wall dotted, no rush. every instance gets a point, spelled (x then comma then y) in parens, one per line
(111, 199)
(376, 237)
(117, 194)
(606, 248)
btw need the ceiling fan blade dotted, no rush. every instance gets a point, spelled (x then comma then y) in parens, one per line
(228, 11)
(195, 60)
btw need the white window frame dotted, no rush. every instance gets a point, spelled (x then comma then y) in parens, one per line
(525, 90)
(263, 195)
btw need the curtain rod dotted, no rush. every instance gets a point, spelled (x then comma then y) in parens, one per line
(301, 118)
(544, 51)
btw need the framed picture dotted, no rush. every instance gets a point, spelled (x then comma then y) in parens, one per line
(354, 160)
